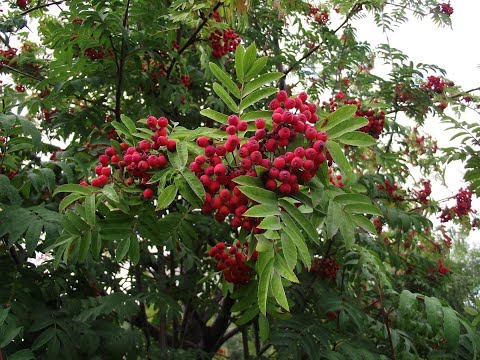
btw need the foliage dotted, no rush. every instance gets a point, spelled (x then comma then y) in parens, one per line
(168, 187)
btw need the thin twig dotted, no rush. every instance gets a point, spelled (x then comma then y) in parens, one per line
(121, 64)
(41, 6)
(386, 321)
(192, 38)
(354, 9)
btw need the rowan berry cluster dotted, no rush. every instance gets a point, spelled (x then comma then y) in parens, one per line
(283, 171)
(376, 119)
(94, 53)
(321, 17)
(463, 206)
(325, 267)
(223, 42)
(20, 88)
(390, 189)
(185, 80)
(135, 162)
(442, 270)
(6, 56)
(446, 8)
(231, 261)
(22, 4)
(435, 83)
(423, 194)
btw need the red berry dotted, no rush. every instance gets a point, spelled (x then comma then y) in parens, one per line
(162, 122)
(148, 194)
(171, 145)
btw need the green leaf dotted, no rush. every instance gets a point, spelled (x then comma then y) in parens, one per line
(263, 327)
(347, 230)
(249, 58)
(134, 250)
(347, 127)
(284, 269)
(363, 209)
(342, 114)
(339, 157)
(215, 115)
(128, 123)
(254, 115)
(69, 199)
(357, 138)
(3, 315)
(194, 184)
(262, 211)
(227, 99)
(256, 68)
(469, 310)
(166, 197)
(248, 180)
(179, 157)
(44, 337)
(289, 250)
(256, 96)
(186, 191)
(292, 231)
(433, 308)
(264, 285)
(30, 129)
(25, 354)
(239, 55)
(279, 292)
(364, 223)
(32, 236)
(300, 219)
(334, 216)
(263, 244)
(259, 195)
(96, 244)
(110, 193)
(345, 199)
(121, 128)
(451, 328)
(9, 335)
(85, 243)
(225, 80)
(261, 81)
(122, 249)
(90, 209)
(270, 223)
(73, 188)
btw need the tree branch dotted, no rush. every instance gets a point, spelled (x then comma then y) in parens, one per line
(41, 6)
(192, 38)
(214, 333)
(121, 64)
(354, 9)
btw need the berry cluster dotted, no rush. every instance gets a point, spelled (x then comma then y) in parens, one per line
(20, 88)
(423, 194)
(231, 261)
(224, 42)
(94, 53)
(155, 69)
(446, 8)
(325, 267)
(185, 80)
(463, 206)
(391, 190)
(135, 162)
(376, 119)
(319, 16)
(442, 270)
(435, 83)
(22, 4)
(6, 56)
(283, 171)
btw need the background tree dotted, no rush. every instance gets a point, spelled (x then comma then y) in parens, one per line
(230, 179)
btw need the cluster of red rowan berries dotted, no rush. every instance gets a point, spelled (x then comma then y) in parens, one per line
(390, 189)
(20, 88)
(319, 16)
(185, 80)
(325, 267)
(223, 41)
(6, 56)
(446, 8)
(435, 83)
(463, 206)
(136, 162)
(231, 261)
(22, 4)
(442, 270)
(376, 119)
(156, 69)
(94, 53)
(423, 194)
(282, 172)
